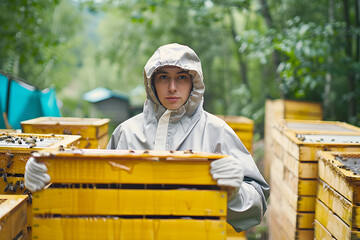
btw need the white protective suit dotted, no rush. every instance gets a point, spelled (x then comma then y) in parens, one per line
(191, 127)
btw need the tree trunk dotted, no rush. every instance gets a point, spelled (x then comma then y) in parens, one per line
(328, 107)
(242, 64)
(348, 50)
(270, 24)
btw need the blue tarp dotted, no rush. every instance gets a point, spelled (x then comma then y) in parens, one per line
(23, 102)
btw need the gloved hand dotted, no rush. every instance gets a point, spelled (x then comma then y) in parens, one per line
(229, 173)
(36, 176)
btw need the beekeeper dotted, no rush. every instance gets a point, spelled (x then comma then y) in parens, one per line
(173, 118)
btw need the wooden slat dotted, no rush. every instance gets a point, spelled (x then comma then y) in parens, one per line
(12, 216)
(292, 218)
(129, 202)
(321, 232)
(116, 166)
(338, 228)
(307, 151)
(297, 202)
(336, 179)
(338, 204)
(279, 228)
(86, 127)
(135, 229)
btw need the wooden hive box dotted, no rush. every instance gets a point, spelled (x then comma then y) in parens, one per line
(93, 131)
(117, 194)
(15, 150)
(338, 195)
(278, 109)
(13, 210)
(294, 173)
(243, 127)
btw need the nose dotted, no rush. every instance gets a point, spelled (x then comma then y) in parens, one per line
(172, 85)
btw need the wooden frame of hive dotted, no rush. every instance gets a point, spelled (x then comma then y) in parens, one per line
(338, 197)
(13, 159)
(101, 197)
(296, 161)
(93, 131)
(13, 211)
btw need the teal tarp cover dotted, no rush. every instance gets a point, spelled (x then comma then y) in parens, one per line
(23, 102)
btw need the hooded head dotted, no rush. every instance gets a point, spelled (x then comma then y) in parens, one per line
(179, 56)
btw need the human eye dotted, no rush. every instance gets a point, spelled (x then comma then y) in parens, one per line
(183, 77)
(162, 77)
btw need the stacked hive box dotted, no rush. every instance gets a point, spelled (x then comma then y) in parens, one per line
(15, 150)
(337, 213)
(285, 109)
(294, 172)
(243, 127)
(93, 131)
(13, 217)
(113, 194)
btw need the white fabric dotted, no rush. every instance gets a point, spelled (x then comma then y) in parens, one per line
(161, 131)
(227, 171)
(36, 176)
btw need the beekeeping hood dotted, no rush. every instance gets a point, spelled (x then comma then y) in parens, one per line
(180, 56)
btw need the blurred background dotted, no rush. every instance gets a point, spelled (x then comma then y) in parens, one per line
(250, 51)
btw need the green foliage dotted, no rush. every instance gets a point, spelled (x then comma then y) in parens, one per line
(37, 40)
(297, 49)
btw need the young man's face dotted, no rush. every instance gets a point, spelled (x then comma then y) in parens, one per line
(173, 86)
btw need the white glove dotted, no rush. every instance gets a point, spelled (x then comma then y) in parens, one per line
(229, 173)
(36, 176)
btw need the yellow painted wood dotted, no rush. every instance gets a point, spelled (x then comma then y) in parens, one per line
(307, 151)
(279, 228)
(117, 166)
(311, 126)
(338, 228)
(339, 179)
(302, 110)
(290, 196)
(292, 218)
(243, 127)
(278, 109)
(91, 128)
(12, 216)
(130, 202)
(300, 186)
(20, 154)
(338, 204)
(94, 143)
(118, 228)
(231, 234)
(303, 170)
(321, 232)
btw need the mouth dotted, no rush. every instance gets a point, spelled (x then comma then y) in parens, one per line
(172, 99)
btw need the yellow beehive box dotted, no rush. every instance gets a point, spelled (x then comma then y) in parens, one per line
(339, 193)
(278, 109)
(93, 131)
(294, 172)
(117, 194)
(15, 150)
(310, 127)
(243, 127)
(13, 210)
